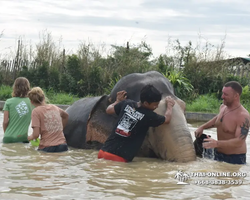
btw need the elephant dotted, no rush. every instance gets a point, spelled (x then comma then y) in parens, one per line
(89, 125)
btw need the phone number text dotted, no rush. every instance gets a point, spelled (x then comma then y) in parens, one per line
(218, 182)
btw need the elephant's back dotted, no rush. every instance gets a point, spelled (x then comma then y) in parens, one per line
(85, 104)
(133, 83)
(76, 128)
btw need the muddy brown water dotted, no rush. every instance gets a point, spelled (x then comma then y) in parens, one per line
(77, 174)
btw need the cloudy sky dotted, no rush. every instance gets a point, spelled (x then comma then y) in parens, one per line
(119, 21)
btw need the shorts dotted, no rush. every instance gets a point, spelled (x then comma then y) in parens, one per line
(110, 156)
(232, 158)
(54, 149)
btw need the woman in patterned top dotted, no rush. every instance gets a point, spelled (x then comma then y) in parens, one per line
(48, 121)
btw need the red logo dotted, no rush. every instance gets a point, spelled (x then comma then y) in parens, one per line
(122, 133)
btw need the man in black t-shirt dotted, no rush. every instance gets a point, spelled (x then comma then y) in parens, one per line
(134, 120)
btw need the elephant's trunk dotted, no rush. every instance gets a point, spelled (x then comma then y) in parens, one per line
(172, 141)
(174, 145)
(180, 145)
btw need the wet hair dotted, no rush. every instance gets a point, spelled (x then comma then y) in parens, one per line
(150, 94)
(36, 95)
(235, 86)
(21, 87)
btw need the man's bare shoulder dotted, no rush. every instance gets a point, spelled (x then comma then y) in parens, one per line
(245, 112)
(243, 116)
(222, 106)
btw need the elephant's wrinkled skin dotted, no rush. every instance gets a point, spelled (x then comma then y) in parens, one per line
(89, 125)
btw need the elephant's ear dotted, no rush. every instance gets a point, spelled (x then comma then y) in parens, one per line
(100, 124)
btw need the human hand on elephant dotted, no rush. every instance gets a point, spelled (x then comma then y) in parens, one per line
(121, 95)
(169, 101)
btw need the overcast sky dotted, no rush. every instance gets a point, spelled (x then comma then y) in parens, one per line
(119, 21)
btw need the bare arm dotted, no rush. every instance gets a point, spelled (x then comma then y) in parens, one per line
(35, 134)
(65, 117)
(209, 124)
(120, 96)
(5, 120)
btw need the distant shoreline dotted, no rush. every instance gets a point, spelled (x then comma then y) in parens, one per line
(193, 116)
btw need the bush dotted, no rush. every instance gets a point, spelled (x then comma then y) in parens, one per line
(5, 92)
(245, 96)
(182, 86)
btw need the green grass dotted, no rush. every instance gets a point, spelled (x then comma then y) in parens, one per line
(62, 98)
(204, 103)
(209, 104)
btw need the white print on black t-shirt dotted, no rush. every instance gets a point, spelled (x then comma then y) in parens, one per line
(22, 109)
(128, 121)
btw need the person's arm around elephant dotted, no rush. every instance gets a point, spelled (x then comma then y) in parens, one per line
(120, 96)
(170, 104)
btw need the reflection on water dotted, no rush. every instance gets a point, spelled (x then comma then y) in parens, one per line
(28, 174)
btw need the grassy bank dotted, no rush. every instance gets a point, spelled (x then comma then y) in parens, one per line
(204, 103)
(210, 104)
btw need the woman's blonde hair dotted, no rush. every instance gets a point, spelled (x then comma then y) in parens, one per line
(21, 87)
(36, 95)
